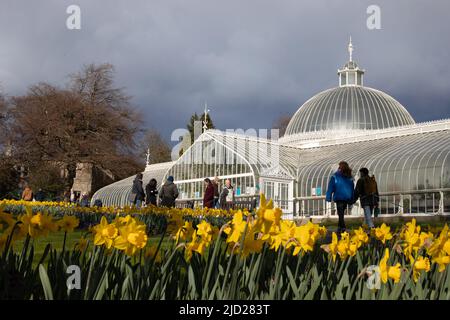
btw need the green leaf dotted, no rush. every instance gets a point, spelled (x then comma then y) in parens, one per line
(45, 283)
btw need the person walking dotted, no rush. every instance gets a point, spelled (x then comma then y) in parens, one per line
(137, 194)
(169, 193)
(208, 197)
(84, 200)
(367, 191)
(341, 191)
(216, 191)
(67, 195)
(227, 196)
(40, 195)
(151, 191)
(27, 194)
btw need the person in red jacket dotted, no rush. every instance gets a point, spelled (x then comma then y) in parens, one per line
(208, 198)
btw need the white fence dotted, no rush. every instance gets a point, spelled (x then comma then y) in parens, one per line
(419, 202)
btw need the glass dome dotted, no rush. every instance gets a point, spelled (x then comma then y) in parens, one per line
(349, 108)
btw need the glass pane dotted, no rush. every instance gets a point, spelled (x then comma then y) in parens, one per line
(351, 78)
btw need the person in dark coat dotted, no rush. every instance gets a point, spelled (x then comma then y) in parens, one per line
(341, 191)
(208, 197)
(151, 191)
(367, 191)
(169, 193)
(137, 194)
(84, 201)
(98, 203)
(40, 195)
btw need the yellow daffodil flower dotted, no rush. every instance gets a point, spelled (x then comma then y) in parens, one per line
(383, 233)
(131, 238)
(105, 233)
(185, 232)
(68, 223)
(392, 272)
(421, 264)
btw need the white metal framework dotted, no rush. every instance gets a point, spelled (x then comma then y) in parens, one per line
(360, 125)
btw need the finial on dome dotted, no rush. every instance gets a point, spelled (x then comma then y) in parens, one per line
(350, 74)
(205, 121)
(147, 160)
(350, 48)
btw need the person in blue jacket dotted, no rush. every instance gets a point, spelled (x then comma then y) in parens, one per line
(341, 191)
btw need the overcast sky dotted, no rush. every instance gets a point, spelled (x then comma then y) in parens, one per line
(252, 60)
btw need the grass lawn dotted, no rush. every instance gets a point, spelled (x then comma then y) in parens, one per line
(56, 240)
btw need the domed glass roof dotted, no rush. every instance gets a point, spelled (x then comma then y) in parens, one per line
(351, 106)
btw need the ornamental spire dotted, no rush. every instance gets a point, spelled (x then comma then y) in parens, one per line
(147, 161)
(350, 74)
(205, 120)
(350, 48)
(148, 156)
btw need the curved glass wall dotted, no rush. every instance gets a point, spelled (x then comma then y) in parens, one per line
(241, 158)
(117, 193)
(400, 164)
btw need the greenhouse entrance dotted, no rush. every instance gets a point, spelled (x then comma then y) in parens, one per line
(280, 191)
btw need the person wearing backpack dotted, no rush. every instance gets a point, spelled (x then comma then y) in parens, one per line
(137, 194)
(169, 193)
(367, 191)
(341, 191)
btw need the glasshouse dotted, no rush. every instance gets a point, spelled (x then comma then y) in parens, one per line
(353, 123)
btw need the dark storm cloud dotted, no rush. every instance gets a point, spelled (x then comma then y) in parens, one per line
(251, 60)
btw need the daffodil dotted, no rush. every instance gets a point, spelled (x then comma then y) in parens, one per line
(360, 237)
(252, 244)
(45, 222)
(333, 246)
(68, 223)
(267, 216)
(185, 232)
(206, 231)
(383, 233)
(343, 245)
(446, 247)
(36, 225)
(439, 243)
(236, 229)
(306, 236)
(175, 223)
(131, 238)
(82, 244)
(196, 245)
(6, 221)
(442, 260)
(392, 272)
(439, 249)
(105, 233)
(421, 264)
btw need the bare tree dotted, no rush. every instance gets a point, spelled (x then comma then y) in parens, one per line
(281, 124)
(91, 121)
(3, 121)
(159, 149)
(9, 176)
